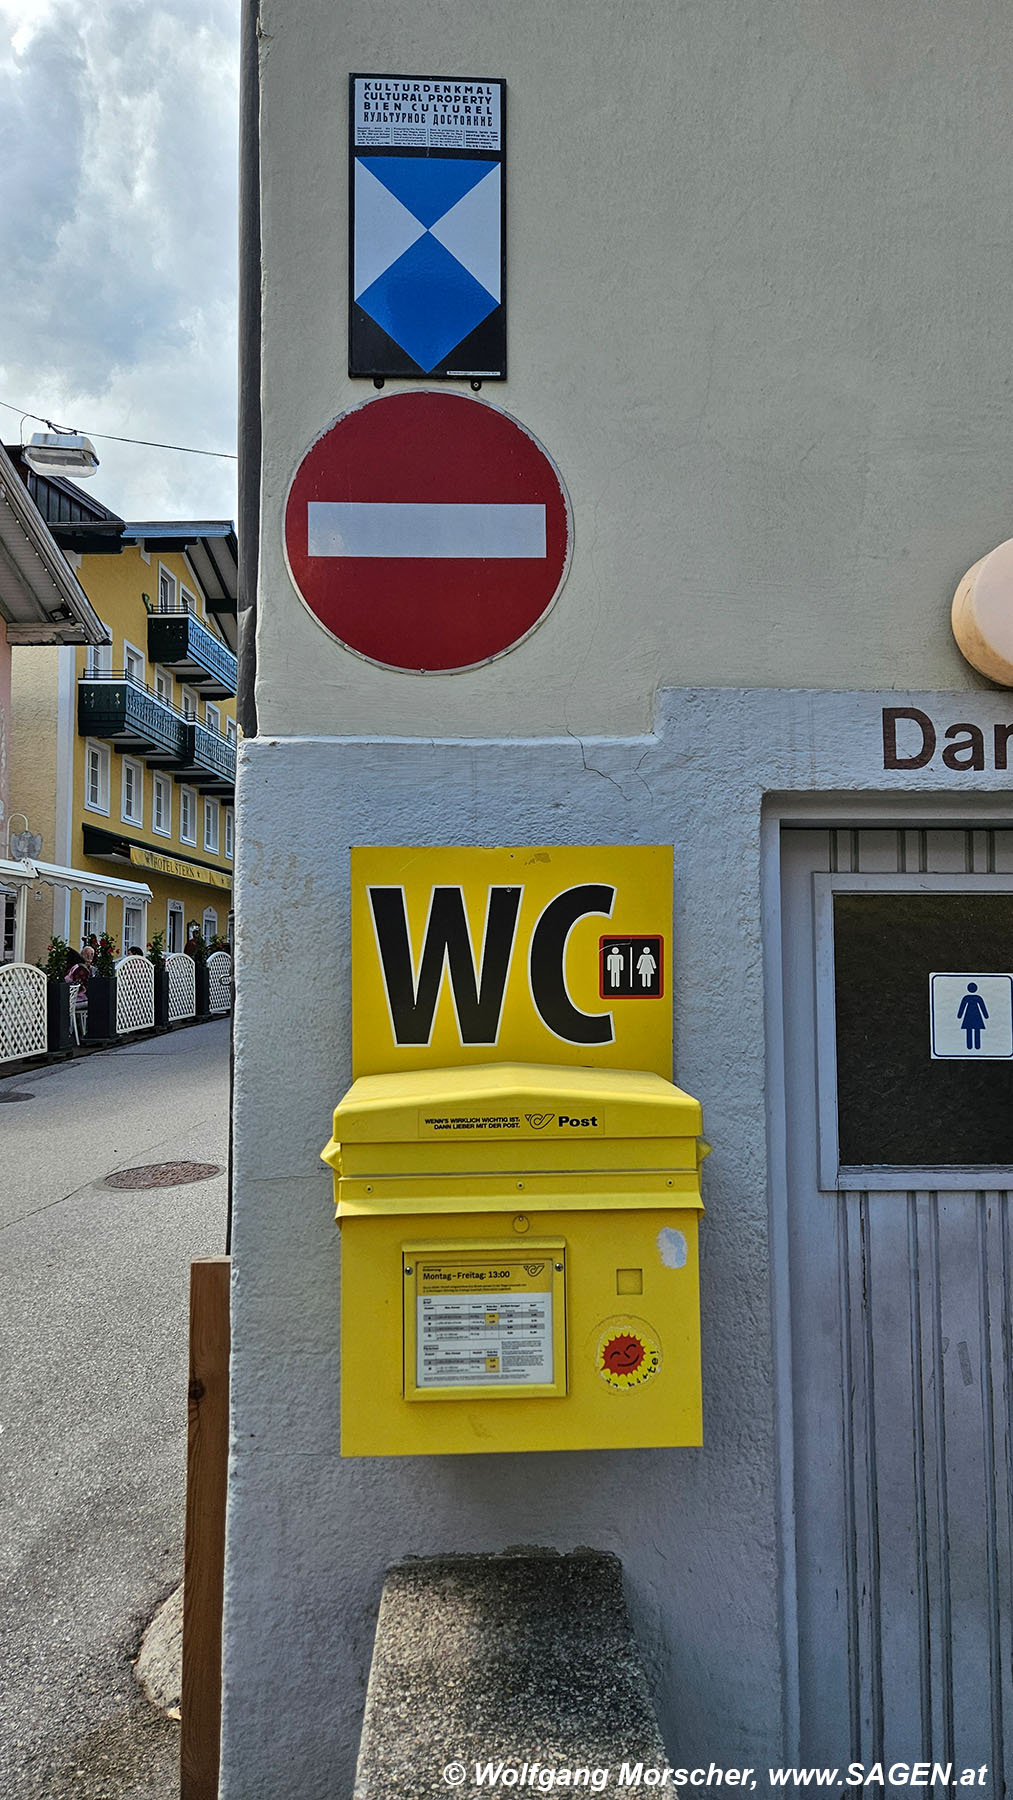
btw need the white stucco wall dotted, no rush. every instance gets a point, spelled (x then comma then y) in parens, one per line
(758, 267)
(698, 1531)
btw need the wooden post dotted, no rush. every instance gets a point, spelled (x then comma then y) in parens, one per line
(204, 1558)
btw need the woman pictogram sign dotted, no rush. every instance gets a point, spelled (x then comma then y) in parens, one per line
(971, 1014)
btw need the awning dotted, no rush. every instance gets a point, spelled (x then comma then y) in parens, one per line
(28, 873)
(41, 599)
(160, 864)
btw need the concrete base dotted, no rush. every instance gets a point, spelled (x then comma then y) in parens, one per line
(517, 1660)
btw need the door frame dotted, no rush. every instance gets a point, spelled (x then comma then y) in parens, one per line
(782, 812)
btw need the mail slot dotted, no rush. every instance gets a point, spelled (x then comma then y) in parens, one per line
(519, 1260)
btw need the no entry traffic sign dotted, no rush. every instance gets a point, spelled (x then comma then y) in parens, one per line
(427, 531)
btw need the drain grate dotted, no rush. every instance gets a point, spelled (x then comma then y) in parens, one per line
(7, 1094)
(156, 1175)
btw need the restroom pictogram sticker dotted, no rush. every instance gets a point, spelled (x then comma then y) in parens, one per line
(971, 1017)
(631, 968)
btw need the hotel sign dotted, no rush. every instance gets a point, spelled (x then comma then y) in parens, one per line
(174, 865)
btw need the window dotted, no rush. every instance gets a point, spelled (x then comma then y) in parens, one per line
(189, 699)
(133, 928)
(99, 659)
(133, 792)
(7, 906)
(133, 664)
(163, 686)
(174, 927)
(93, 917)
(161, 805)
(211, 826)
(209, 924)
(230, 732)
(166, 590)
(189, 602)
(96, 777)
(187, 816)
(230, 832)
(212, 718)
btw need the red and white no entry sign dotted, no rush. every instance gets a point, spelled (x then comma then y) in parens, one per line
(427, 531)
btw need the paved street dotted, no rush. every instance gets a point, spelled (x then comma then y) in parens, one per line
(93, 1347)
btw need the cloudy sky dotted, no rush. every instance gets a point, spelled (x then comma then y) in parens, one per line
(118, 125)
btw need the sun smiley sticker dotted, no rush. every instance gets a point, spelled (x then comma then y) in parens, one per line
(628, 1355)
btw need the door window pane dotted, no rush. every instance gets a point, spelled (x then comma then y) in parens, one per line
(174, 926)
(896, 1101)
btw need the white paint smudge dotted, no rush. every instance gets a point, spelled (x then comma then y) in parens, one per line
(672, 1248)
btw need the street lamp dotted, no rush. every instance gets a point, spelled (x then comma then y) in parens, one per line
(22, 846)
(60, 453)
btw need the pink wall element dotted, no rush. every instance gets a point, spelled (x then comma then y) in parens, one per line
(5, 725)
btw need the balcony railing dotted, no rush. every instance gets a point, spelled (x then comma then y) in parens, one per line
(177, 638)
(208, 760)
(114, 706)
(118, 708)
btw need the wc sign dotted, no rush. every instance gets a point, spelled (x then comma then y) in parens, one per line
(520, 954)
(971, 1017)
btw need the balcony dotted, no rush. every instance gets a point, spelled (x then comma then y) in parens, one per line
(207, 760)
(178, 640)
(114, 707)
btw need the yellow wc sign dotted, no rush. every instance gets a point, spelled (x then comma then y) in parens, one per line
(538, 954)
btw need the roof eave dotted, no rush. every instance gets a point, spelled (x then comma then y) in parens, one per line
(41, 600)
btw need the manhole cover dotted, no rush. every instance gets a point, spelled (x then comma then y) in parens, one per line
(154, 1175)
(14, 1094)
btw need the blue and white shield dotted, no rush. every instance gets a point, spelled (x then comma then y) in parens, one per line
(427, 266)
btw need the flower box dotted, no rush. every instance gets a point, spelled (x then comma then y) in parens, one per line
(59, 1036)
(101, 1009)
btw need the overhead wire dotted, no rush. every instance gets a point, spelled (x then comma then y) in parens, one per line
(108, 437)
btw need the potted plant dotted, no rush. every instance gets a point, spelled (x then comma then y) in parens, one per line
(59, 1037)
(156, 956)
(102, 991)
(196, 947)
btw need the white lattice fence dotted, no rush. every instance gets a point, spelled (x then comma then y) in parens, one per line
(182, 986)
(219, 981)
(135, 995)
(22, 1011)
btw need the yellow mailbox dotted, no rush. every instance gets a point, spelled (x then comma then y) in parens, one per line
(519, 1260)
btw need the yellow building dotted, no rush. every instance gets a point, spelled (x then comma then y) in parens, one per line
(125, 753)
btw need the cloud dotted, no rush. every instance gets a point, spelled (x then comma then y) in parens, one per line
(118, 127)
